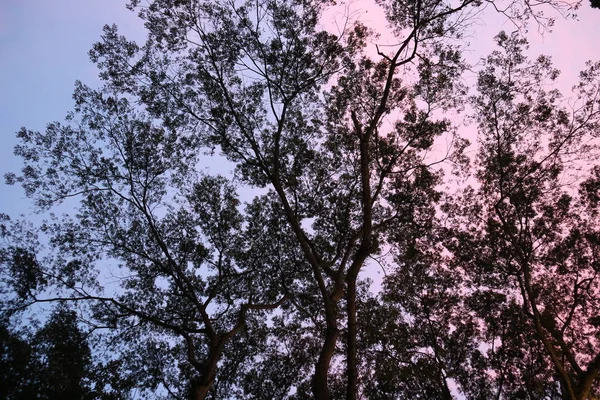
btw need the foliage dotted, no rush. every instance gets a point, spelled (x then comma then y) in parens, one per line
(55, 362)
(254, 284)
(534, 238)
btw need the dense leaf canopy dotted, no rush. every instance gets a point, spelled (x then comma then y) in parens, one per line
(188, 281)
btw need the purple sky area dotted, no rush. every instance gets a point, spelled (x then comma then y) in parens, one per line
(44, 45)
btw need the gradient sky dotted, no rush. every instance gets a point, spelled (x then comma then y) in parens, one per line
(43, 50)
(44, 45)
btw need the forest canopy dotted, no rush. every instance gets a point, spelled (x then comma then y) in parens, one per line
(396, 224)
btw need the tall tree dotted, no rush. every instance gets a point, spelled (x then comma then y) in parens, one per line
(249, 80)
(529, 239)
(181, 277)
(55, 362)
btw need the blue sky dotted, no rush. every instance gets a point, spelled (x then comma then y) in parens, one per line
(44, 45)
(43, 50)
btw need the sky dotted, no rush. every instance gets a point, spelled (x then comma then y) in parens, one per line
(44, 46)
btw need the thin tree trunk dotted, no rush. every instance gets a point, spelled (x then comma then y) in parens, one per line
(352, 386)
(586, 382)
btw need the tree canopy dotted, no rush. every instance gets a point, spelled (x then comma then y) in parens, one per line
(345, 158)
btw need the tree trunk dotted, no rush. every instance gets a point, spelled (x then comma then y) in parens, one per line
(320, 385)
(200, 389)
(352, 387)
(586, 382)
(208, 372)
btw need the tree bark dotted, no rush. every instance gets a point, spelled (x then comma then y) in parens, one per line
(208, 371)
(586, 382)
(320, 384)
(200, 390)
(352, 370)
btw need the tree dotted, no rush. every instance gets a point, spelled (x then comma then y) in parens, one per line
(55, 362)
(163, 255)
(529, 237)
(64, 355)
(264, 110)
(338, 140)
(15, 366)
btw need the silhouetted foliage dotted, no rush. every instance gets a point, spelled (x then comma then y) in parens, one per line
(255, 283)
(55, 362)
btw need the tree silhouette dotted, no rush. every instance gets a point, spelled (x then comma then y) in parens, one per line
(531, 237)
(55, 362)
(205, 293)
